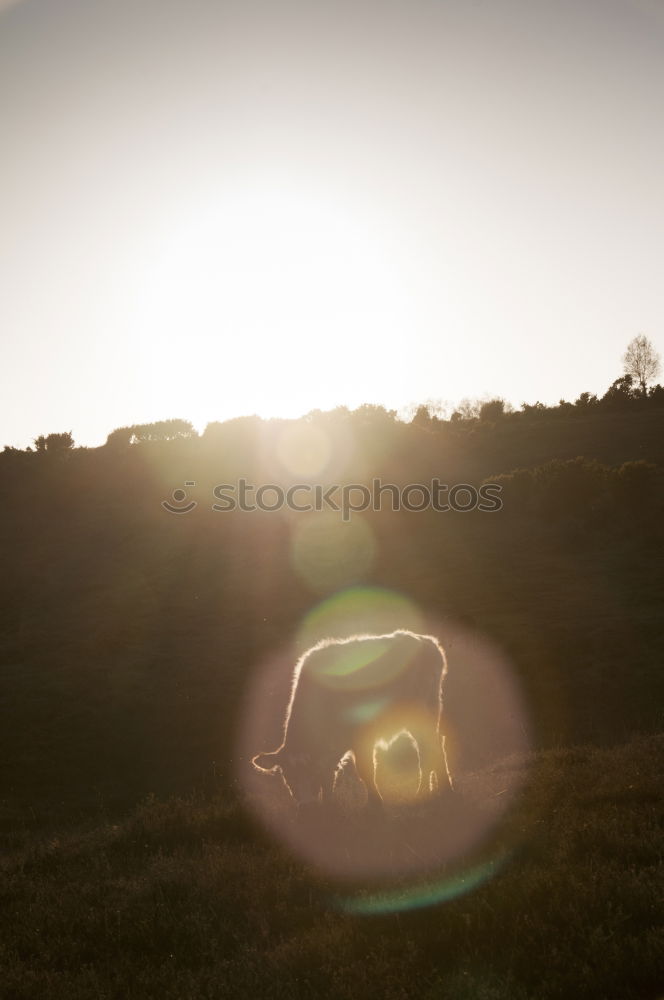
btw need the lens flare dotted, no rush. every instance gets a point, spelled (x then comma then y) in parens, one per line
(425, 843)
(328, 553)
(359, 667)
(304, 449)
(359, 610)
(425, 893)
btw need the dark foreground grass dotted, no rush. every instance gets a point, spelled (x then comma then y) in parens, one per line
(185, 899)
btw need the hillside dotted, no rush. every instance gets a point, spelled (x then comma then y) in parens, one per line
(146, 655)
(129, 635)
(184, 899)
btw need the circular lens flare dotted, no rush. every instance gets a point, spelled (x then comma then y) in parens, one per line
(425, 893)
(359, 610)
(421, 842)
(329, 553)
(304, 449)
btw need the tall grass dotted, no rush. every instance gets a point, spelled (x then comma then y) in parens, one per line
(186, 899)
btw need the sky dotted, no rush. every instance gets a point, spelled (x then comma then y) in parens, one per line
(214, 208)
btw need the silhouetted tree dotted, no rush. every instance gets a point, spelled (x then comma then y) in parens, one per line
(467, 409)
(493, 409)
(620, 393)
(421, 417)
(54, 442)
(585, 401)
(436, 408)
(656, 394)
(374, 412)
(120, 437)
(163, 430)
(641, 360)
(534, 409)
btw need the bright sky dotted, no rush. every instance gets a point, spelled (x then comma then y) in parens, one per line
(211, 208)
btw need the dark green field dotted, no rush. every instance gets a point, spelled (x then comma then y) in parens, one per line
(131, 639)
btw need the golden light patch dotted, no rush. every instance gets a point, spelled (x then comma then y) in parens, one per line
(304, 450)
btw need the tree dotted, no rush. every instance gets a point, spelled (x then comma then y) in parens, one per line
(426, 414)
(493, 409)
(54, 442)
(467, 409)
(641, 360)
(160, 430)
(585, 401)
(120, 437)
(620, 393)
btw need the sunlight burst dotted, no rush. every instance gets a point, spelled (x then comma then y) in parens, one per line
(274, 301)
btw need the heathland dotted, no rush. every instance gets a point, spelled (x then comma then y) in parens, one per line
(131, 637)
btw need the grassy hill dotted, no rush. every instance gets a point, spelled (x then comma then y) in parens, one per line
(131, 640)
(185, 899)
(128, 635)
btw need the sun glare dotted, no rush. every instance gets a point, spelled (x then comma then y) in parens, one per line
(270, 300)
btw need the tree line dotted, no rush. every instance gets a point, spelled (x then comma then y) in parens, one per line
(631, 390)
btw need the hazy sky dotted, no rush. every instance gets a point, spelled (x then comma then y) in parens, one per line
(213, 208)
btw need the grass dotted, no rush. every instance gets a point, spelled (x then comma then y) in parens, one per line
(187, 899)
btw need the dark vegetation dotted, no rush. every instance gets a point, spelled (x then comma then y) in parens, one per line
(128, 639)
(180, 900)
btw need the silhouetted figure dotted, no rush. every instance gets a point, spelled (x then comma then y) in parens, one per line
(356, 695)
